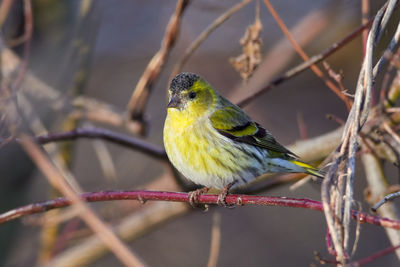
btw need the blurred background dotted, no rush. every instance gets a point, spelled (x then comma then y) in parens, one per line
(100, 49)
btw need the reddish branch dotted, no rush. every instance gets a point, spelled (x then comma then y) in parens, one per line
(143, 195)
(375, 256)
(360, 262)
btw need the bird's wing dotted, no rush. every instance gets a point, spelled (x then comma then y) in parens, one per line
(232, 122)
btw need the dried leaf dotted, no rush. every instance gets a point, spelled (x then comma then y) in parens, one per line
(248, 61)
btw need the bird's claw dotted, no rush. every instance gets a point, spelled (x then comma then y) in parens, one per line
(222, 201)
(194, 196)
(222, 197)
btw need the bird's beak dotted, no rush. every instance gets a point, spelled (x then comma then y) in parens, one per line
(175, 102)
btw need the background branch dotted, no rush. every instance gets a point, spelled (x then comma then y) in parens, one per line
(306, 64)
(101, 133)
(103, 232)
(143, 88)
(204, 35)
(304, 56)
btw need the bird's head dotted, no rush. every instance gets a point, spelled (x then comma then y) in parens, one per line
(191, 95)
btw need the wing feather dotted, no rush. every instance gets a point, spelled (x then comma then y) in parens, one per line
(230, 121)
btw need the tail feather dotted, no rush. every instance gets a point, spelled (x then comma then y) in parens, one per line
(308, 168)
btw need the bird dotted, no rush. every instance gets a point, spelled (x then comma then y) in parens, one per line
(215, 144)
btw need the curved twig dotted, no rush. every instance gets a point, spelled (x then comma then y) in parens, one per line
(95, 132)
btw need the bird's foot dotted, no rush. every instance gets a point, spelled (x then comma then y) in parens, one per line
(222, 197)
(194, 196)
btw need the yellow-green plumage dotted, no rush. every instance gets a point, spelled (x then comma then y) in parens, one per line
(214, 143)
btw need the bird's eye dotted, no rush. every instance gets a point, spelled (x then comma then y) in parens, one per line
(192, 95)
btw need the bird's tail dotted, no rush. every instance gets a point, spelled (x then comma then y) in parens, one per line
(308, 168)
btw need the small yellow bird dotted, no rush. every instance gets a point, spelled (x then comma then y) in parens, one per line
(215, 144)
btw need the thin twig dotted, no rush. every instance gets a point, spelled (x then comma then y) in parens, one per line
(203, 36)
(28, 17)
(307, 64)
(389, 51)
(337, 77)
(387, 198)
(304, 56)
(365, 8)
(95, 132)
(378, 187)
(392, 133)
(374, 256)
(86, 108)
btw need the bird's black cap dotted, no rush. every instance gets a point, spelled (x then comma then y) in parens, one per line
(183, 81)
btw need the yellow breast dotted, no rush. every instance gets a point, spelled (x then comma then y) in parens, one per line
(196, 151)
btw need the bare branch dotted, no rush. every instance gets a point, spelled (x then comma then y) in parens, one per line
(27, 37)
(133, 226)
(97, 111)
(375, 256)
(95, 132)
(304, 56)
(306, 64)
(203, 36)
